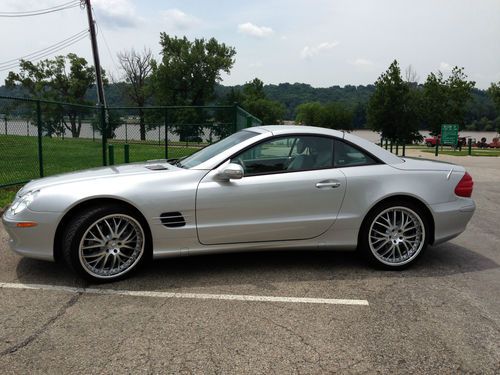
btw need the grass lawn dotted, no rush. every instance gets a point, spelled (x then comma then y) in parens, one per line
(464, 152)
(19, 156)
(7, 195)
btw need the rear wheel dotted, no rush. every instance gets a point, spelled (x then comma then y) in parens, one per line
(105, 243)
(429, 144)
(394, 235)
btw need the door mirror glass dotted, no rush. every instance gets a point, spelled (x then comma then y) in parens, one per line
(232, 171)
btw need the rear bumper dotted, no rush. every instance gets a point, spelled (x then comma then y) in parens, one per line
(34, 242)
(451, 218)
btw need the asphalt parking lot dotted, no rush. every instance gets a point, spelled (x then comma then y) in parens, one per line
(440, 316)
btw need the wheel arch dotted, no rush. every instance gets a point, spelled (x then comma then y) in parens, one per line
(404, 198)
(88, 203)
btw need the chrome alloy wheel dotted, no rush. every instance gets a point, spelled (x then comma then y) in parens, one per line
(397, 235)
(111, 246)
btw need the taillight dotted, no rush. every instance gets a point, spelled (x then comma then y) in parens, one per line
(464, 187)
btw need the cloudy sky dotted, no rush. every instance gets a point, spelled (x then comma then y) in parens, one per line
(320, 42)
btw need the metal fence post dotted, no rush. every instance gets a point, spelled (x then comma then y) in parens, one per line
(5, 121)
(102, 110)
(397, 147)
(126, 150)
(111, 154)
(436, 153)
(404, 148)
(166, 132)
(40, 133)
(235, 127)
(469, 145)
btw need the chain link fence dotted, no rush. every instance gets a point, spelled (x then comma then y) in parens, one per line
(40, 138)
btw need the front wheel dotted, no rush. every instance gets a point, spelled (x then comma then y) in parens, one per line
(105, 243)
(394, 235)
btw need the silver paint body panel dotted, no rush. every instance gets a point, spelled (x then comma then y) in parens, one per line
(274, 211)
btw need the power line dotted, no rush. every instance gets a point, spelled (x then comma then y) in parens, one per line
(101, 33)
(8, 62)
(57, 8)
(47, 52)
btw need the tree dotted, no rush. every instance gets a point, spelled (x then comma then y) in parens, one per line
(187, 75)
(137, 67)
(444, 100)
(331, 115)
(494, 93)
(393, 107)
(310, 114)
(54, 80)
(256, 102)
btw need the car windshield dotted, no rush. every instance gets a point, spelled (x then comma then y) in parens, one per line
(214, 149)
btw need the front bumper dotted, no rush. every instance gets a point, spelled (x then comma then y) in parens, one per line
(451, 218)
(33, 242)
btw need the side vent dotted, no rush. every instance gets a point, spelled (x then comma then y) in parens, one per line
(172, 219)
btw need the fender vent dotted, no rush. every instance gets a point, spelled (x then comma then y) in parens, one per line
(172, 219)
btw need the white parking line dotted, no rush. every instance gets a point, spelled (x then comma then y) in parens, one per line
(227, 297)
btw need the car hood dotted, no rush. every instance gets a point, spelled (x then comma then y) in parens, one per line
(411, 164)
(100, 173)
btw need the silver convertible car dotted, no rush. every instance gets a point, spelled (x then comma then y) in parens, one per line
(263, 188)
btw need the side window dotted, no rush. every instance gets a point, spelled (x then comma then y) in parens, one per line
(346, 155)
(287, 154)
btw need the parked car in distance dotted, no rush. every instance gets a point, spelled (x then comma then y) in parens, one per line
(431, 141)
(495, 143)
(263, 188)
(482, 143)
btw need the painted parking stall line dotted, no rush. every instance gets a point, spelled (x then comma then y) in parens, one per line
(202, 296)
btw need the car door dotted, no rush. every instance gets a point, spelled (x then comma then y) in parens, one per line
(290, 191)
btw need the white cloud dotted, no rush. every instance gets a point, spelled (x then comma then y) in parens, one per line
(362, 62)
(311, 51)
(176, 19)
(116, 13)
(445, 67)
(250, 29)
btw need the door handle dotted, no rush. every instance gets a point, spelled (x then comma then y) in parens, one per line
(324, 184)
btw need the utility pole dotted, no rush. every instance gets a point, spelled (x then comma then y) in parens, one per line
(95, 52)
(100, 90)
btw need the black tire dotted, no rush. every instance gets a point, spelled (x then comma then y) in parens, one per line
(428, 144)
(368, 224)
(78, 226)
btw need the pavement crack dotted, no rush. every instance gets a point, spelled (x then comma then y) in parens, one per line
(28, 340)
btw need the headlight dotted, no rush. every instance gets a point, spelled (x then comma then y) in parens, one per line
(23, 202)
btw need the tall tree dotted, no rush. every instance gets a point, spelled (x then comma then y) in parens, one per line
(188, 70)
(393, 107)
(64, 78)
(494, 93)
(444, 100)
(137, 67)
(187, 75)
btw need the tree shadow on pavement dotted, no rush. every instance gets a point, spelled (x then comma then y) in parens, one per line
(260, 268)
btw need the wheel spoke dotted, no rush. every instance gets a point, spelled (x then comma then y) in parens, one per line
(93, 246)
(111, 231)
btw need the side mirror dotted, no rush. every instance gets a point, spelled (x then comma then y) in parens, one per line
(232, 171)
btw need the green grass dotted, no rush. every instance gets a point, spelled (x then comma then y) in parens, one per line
(464, 152)
(19, 155)
(7, 196)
